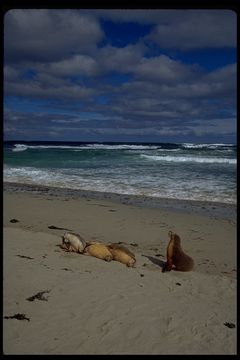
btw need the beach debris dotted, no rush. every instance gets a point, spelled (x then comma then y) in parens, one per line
(73, 242)
(14, 221)
(39, 296)
(230, 325)
(57, 228)
(25, 257)
(134, 244)
(18, 317)
(141, 275)
(177, 283)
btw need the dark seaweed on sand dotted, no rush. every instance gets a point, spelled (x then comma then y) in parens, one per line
(25, 257)
(57, 228)
(39, 296)
(230, 325)
(18, 317)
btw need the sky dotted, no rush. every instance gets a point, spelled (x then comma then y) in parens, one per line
(133, 75)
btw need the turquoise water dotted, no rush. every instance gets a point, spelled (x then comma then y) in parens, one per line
(180, 171)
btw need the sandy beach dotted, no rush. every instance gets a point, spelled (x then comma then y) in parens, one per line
(89, 306)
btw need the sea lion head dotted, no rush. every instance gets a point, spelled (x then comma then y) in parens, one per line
(131, 262)
(175, 237)
(65, 239)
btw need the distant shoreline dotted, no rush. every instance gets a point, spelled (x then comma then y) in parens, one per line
(205, 208)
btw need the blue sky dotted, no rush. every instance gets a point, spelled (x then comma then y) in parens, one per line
(120, 75)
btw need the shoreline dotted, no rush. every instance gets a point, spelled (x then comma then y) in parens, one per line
(219, 210)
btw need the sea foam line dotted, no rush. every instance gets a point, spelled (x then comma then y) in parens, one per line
(208, 146)
(189, 159)
(23, 147)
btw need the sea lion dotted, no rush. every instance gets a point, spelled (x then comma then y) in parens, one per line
(98, 250)
(73, 242)
(176, 258)
(122, 254)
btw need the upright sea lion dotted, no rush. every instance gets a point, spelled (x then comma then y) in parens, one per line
(73, 242)
(98, 250)
(122, 254)
(176, 258)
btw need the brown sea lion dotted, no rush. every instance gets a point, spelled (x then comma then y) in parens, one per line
(122, 254)
(98, 250)
(73, 242)
(176, 258)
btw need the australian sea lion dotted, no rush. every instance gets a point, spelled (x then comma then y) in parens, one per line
(73, 242)
(98, 250)
(176, 258)
(122, 254)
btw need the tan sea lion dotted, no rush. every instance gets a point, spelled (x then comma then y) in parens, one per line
(122, 254)
(176, 258)
(98, 250)
(73, 242)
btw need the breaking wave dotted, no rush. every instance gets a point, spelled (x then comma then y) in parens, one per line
(189, 159)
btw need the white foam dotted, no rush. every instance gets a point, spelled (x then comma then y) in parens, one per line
(121, 147)
(156, 186)
(190, 159)
(201, 146)
(20, 147)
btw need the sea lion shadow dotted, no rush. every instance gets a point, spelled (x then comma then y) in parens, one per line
(155, 261)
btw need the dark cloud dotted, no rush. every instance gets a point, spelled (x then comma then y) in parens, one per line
(48, 35)
(196, 29)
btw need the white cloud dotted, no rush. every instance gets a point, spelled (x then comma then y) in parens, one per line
(74, 66)
(162, 68)
(120, 59)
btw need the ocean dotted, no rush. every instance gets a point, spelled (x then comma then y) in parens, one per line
(205, 172)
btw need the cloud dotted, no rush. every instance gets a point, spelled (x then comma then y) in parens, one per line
(120, 59)
(181, 29)
(74, 66)
(162, 68)
(48, 35)
(103, 61)
(67, 92)
(196, 29)
(54, 57)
